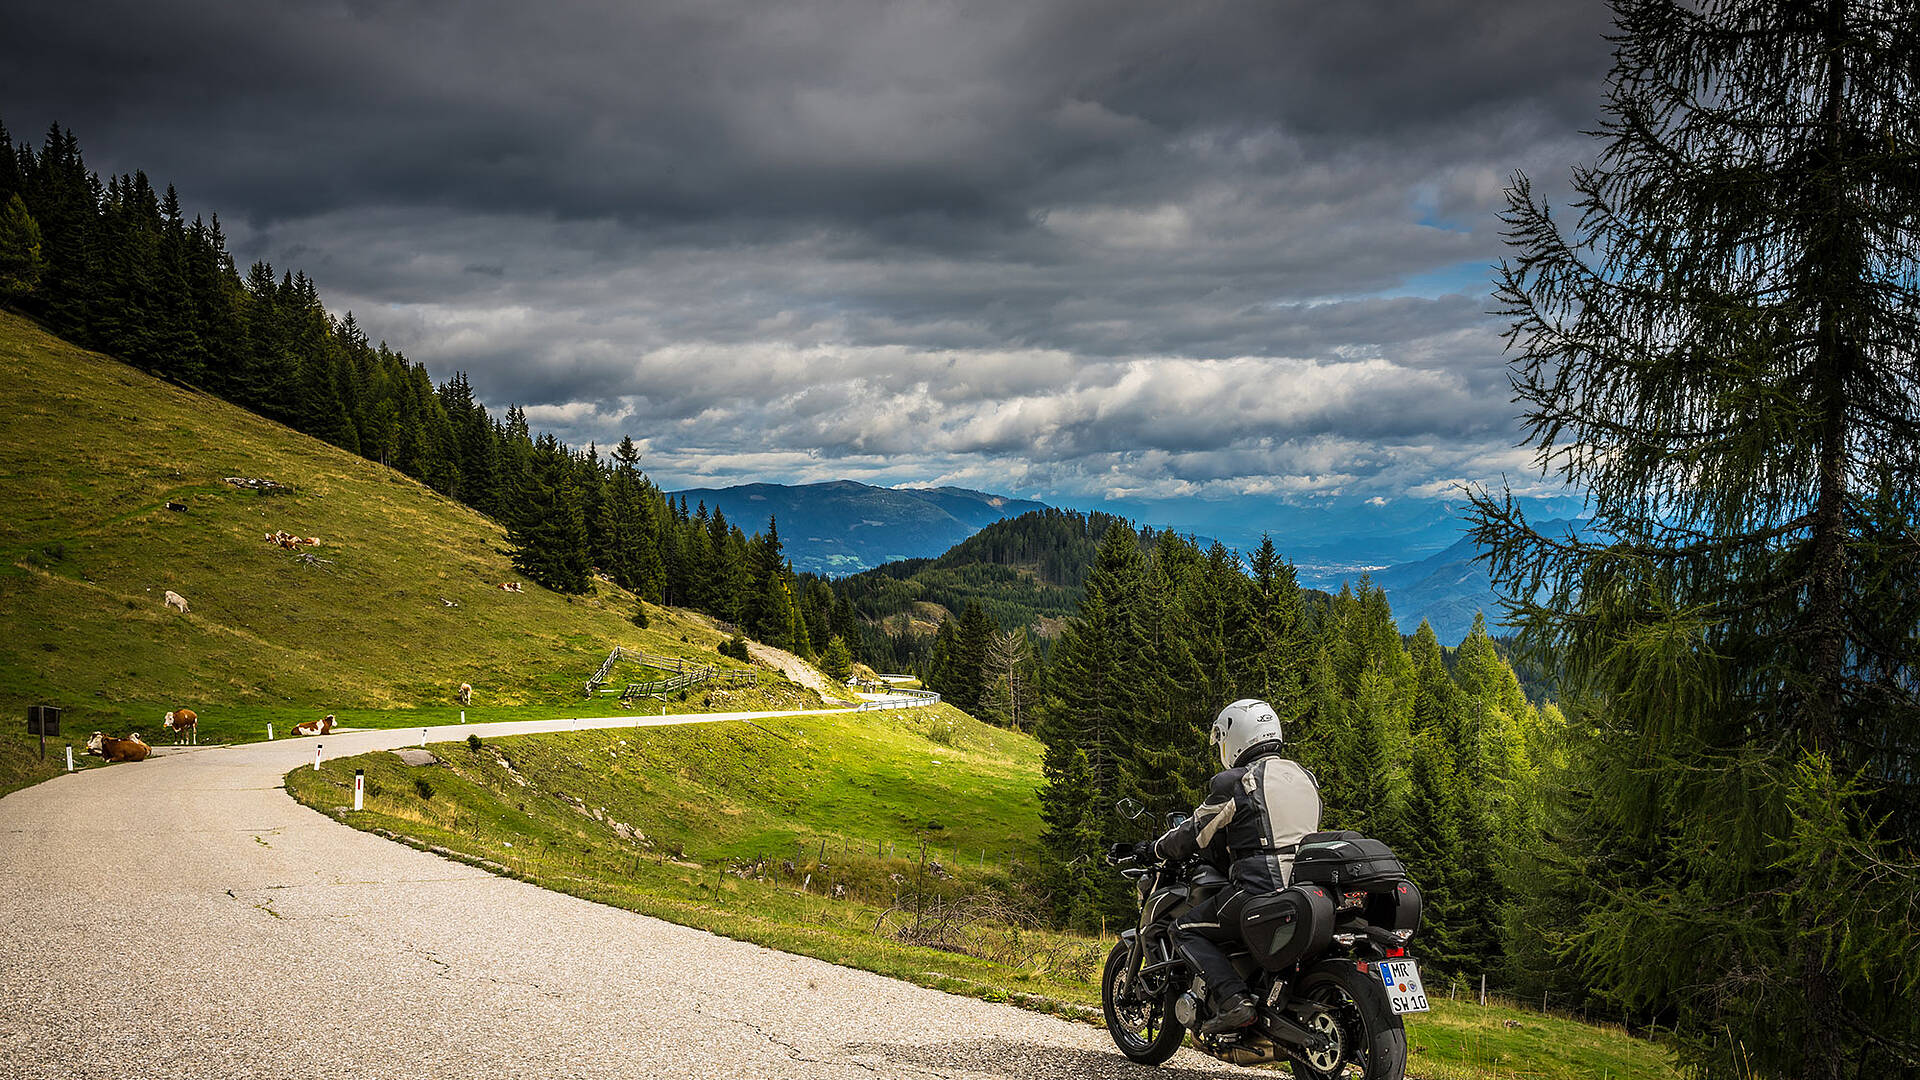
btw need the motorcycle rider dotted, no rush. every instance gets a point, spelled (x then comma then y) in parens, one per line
(1257, 810)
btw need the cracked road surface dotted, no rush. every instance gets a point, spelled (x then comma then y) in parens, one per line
(183, 917)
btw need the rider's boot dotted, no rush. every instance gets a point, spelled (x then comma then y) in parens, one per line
(1237, 1012)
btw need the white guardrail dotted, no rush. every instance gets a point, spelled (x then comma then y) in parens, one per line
(900, 699)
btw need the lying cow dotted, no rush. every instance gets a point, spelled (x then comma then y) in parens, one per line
(315, 727)
(131, 748)
(182, 723)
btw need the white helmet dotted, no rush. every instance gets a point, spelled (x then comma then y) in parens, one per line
(1240, 727)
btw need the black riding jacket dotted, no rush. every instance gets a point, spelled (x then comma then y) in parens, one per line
(1257, 813)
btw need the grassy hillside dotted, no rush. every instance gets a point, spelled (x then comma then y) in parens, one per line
(398, 607)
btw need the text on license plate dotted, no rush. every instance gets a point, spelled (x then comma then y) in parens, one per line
(1404, 992)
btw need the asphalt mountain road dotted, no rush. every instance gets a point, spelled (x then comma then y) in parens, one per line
(183, 917)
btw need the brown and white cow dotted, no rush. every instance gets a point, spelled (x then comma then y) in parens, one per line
(466, 693)
(183, 723)
(315, 727)
(131, 748)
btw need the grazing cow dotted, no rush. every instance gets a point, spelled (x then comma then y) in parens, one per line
(315, 727)
(131, 748)
(182, 722)
(175, 600)
(466, 694)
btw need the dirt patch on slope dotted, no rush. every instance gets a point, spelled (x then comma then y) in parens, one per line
(799, 671)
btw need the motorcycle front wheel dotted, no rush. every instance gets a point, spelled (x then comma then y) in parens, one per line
(1369, 1042)
(1142, 1025)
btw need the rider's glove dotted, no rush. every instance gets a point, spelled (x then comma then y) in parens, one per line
(1143, 851)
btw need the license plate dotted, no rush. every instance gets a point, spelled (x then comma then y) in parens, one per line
(1404, 992)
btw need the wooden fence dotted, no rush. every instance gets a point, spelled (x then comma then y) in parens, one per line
(684, 675)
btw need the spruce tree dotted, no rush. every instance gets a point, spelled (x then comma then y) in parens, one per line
(1087, 724)
(1432, 849)
(549, 536)
(22, 261)
(1166, 762)
(942, 660)
(971, 641)
(1720, 350)
(1282, 650)
(837, 659)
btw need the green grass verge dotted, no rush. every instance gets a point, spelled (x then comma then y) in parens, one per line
(21, 763)
(746, 829)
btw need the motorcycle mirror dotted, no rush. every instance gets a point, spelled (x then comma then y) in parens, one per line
(1129, 808)
(1177, 819)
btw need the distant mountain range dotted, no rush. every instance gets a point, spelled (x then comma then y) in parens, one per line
(1449, 587)
(1445, 589)
(844, 527)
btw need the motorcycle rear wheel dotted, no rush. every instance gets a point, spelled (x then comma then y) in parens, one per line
(1144, 1030)
(1373, 1042)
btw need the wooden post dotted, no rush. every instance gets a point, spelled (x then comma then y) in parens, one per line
(918, 874)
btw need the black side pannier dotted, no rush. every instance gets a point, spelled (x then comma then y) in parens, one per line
(1280, 928)
(1346, 862)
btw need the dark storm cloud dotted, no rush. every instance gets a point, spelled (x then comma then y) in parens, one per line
(1096, 245)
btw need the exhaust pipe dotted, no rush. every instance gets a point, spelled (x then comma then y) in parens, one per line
(1260, 1052)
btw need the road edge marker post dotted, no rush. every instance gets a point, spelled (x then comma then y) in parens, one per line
(359, 786)
(269, 732)
(423, 737)
(316, 757)
(69, 757)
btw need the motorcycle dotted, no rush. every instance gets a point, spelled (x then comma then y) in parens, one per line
(1326, 959)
